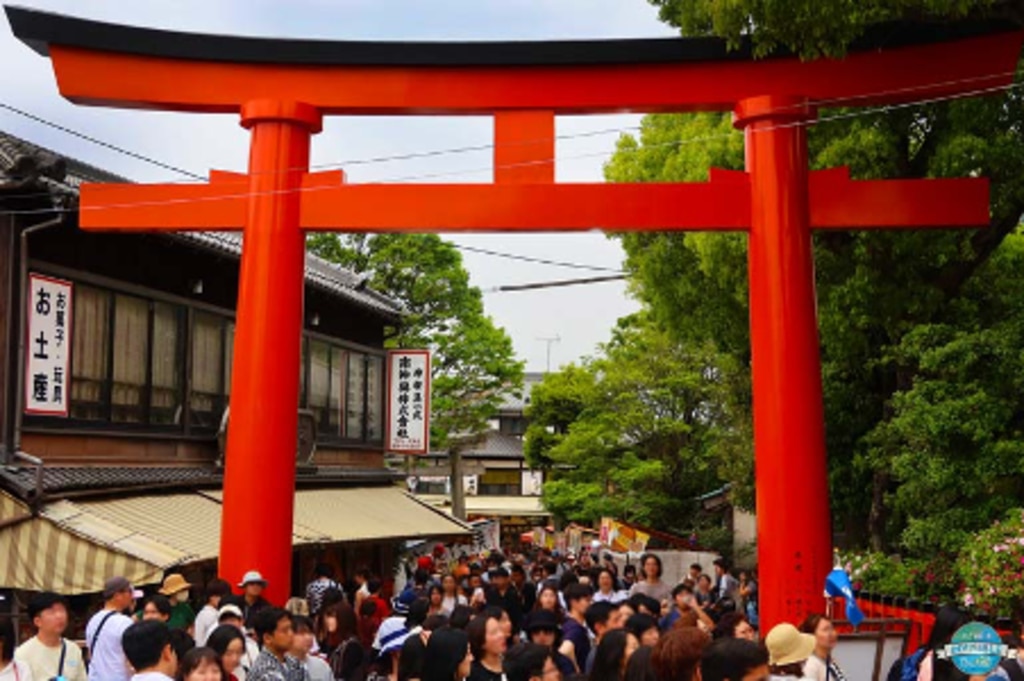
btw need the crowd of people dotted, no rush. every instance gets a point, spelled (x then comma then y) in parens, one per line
(492, 618)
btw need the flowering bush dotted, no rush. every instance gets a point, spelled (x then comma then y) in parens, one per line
(991, 566)
(934, 579)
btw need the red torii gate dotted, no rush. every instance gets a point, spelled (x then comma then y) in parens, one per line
(282, 88)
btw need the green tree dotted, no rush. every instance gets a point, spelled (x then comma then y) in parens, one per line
(474, 364)
(637, 432)
(810, 27)
(880, 294)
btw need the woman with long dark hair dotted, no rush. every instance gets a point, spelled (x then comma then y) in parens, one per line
(341, 645)
(488, 643)
(547, 599)
(229, 644)
(947, 620)
(450, 596)
(435, 596)
(612, 656)
(639, 667)
(447, 656)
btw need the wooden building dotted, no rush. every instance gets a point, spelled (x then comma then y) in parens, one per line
(118, 469)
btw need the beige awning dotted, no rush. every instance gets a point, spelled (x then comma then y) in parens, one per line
(494, 506)
(38, 554)
(72, 546)
(367, 513)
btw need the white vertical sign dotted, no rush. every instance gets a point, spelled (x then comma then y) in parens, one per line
(408, 401)
(533, 483)
(48, 346)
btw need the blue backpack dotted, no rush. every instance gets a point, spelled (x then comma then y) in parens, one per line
(906, 668)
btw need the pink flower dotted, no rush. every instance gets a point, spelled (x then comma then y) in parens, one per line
(968, 599)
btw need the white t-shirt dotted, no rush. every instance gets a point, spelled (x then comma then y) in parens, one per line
(206, 622)
(16, 671)
(448, 603)
(44, 661)
(317, 669)
(614, 597)
(106, 656)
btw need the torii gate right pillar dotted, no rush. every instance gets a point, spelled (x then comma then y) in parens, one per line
(793, 520)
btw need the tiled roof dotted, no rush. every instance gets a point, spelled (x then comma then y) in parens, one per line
(21, 480)
(319, 272)
(495, 446)
(20, 158)
(522, 401)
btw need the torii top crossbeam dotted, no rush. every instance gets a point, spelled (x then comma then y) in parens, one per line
(282, 88)
(112, 65)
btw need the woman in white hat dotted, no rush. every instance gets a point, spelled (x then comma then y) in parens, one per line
(788, 651)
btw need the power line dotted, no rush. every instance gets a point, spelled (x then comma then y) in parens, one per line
(539, 261)
(511, 288)
(99, 142)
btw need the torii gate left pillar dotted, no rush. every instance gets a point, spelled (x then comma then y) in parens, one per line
(281, 88)
(258, 492)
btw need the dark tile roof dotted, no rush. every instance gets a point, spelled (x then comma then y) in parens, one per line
(319, 272)
(22, 159)
(495, 446)
(62, 480)
(519, 403)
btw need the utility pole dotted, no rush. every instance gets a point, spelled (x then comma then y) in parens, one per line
(457, 444)
(554, 339)
(457, 486)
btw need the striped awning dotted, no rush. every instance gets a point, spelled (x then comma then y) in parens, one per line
(38, 554)
(72, 546)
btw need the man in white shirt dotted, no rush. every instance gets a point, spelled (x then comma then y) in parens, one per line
(206, 620)
(48, 654)
(147, 645)
(107, 660)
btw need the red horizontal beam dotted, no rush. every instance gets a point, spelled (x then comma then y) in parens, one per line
(423, 207)
(724, 204)
(837, 202)
(860, 79)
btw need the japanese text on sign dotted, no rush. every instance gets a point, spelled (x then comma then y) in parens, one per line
(48, 351)
(408, 401)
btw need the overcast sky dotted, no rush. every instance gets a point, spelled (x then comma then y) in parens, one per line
(581, 316)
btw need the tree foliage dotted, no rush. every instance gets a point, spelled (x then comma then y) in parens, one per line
(474, 364)
(637, 432)
(810, 27)
(919, 329)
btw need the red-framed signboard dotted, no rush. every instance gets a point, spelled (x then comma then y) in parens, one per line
(408, 410)
(48, 345)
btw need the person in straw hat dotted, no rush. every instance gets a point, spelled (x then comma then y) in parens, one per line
(176, 588)
(788, 650)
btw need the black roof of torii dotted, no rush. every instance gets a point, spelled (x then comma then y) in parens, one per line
(40, 29)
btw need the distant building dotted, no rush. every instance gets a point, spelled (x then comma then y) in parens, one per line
(498, 482)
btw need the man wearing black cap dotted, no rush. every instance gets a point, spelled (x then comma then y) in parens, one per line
(500, 593)
(48, 654)
(104, 631)
(542, 629)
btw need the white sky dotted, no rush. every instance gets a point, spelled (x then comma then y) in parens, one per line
(581, 316)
